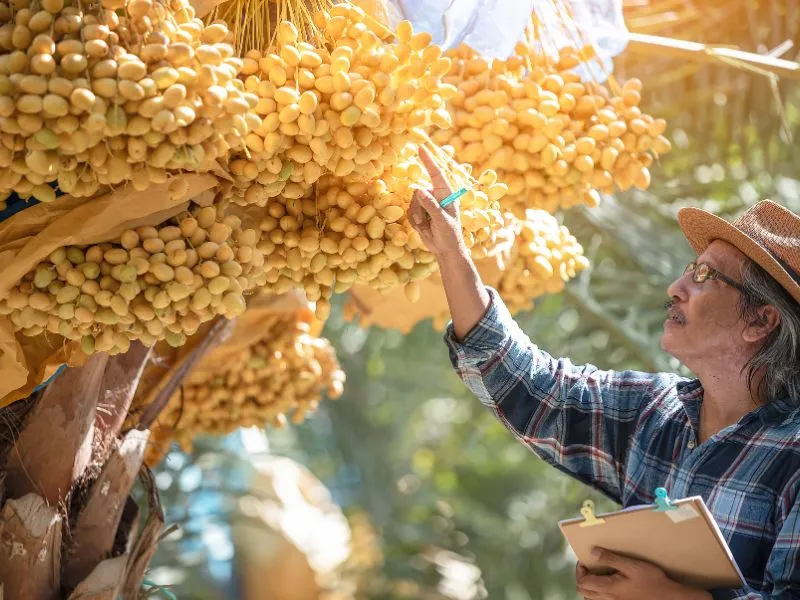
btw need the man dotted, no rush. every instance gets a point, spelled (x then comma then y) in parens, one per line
(730, 436)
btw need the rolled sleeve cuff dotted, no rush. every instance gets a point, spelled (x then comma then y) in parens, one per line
(482, 342)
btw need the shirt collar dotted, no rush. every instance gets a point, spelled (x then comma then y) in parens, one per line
(778, 412)
(690, 393)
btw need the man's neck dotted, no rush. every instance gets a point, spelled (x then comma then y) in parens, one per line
(726, 399)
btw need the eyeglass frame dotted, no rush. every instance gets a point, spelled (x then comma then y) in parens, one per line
(714, 274)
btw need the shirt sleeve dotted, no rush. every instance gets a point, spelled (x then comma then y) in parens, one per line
(783, 565)
(577, 418)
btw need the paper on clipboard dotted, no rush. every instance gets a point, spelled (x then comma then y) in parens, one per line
(685, 543)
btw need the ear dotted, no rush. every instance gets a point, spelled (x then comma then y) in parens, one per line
(767, 318)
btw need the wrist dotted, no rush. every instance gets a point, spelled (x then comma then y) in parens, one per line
(457, 255)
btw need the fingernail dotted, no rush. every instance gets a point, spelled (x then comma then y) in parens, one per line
(417, 219)
(596, 553)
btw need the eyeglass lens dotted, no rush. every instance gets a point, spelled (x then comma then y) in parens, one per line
(700, 272)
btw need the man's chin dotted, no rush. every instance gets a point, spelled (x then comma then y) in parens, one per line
(667, 337)
(672, 344)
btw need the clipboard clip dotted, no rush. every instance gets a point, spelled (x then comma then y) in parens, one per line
(587, 510)
(663, 503)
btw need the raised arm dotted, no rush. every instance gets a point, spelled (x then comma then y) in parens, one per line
(577, 418)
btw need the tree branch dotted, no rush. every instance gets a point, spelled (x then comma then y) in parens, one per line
(216, 335)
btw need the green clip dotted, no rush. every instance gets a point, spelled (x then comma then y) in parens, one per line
(663, 503)
(587, 510)
(452, 198)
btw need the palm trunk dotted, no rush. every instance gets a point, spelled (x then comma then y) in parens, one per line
(69, 527)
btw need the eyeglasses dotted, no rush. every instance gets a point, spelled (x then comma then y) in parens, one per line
(702, 272)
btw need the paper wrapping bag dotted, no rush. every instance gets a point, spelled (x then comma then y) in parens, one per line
(203, 7)
(393, 310)
(493, 27)
(249, 329)
(30, 236)
(383, 11)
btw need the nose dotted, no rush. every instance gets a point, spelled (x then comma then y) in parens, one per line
(678, 289)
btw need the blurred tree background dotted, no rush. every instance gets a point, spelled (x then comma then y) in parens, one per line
(461, 510)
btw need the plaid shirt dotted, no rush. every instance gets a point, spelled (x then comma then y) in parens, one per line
(627, 433)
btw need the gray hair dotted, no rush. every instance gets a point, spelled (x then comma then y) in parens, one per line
(778, 359)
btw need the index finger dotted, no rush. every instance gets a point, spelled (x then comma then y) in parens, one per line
(441, 188)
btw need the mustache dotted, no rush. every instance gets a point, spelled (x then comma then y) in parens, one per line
(674, 312)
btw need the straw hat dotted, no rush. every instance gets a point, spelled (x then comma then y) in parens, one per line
(767, 233)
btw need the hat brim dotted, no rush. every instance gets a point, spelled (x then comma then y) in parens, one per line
(702, 227)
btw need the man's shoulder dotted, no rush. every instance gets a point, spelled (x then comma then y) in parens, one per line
(632, 390)
(783, 430)
(657, 386)
(671, 395)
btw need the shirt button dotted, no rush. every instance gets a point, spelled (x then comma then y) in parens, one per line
(692, 444)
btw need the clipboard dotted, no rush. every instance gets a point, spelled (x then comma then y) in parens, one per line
(681, 537)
